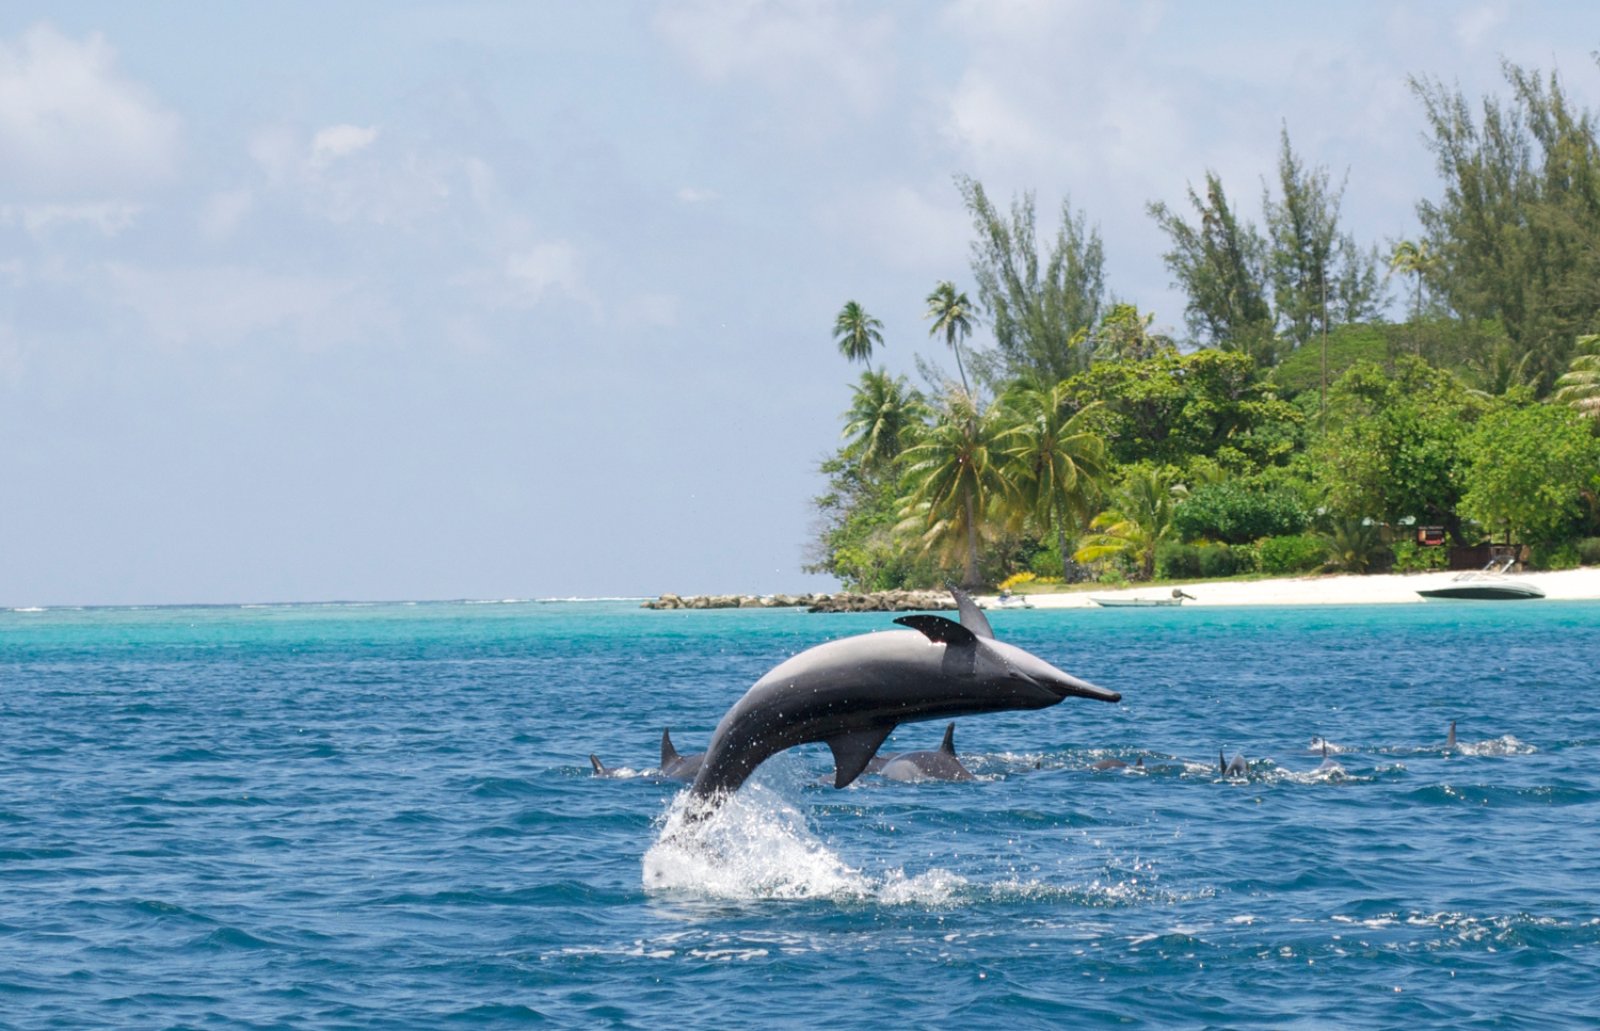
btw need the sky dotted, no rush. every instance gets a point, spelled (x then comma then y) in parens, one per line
(504, 300)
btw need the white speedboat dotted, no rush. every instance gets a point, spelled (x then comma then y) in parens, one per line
(1487, 584)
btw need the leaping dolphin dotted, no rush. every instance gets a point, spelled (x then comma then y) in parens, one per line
(939, 764)
(853, 692)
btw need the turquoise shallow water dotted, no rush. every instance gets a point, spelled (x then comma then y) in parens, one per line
(384, 817)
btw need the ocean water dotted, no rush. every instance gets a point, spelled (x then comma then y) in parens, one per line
(343, 816)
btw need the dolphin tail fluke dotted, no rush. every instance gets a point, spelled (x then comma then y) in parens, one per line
(668, 753)
(599, 768)
(948, 745)
(853, 751)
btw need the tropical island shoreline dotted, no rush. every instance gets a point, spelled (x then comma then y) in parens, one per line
(1581, 584)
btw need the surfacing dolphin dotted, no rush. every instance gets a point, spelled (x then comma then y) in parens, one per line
(853, 692)
(939, 764)
(1237, 768)
(1329, 764)
(673, 765)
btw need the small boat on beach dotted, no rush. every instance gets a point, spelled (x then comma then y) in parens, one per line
(1176, 598)
(1487, 584)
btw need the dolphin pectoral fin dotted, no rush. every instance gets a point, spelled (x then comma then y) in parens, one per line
(599, 768)
(940, 629)
(853, 751)
(972, 617)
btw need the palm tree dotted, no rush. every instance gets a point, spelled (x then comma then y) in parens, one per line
(1354, 544)
(1579, 386)
(956, 481)
(1498, 369)
(1056, 460)
(1413, 258)
(857, 333)
(1139, 521)
(952, 316)
(883, 414)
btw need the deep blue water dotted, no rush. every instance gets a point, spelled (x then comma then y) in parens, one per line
(384, 816)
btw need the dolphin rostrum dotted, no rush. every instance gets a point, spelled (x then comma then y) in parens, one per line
(939, 764)
(853, 692)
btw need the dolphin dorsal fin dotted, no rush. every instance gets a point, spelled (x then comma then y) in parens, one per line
(599, 769)
(948, 745)
(972, 617)
(853, 751)
(1450, 740)
(1222, 762)
(940, 629)
(668, 753)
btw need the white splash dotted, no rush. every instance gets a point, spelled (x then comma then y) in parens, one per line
(757, 846)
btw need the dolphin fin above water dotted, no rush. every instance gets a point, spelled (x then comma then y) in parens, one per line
(940, 630)
(853, 752)
(599, 767)
(1450, 739)
(939, 764)
(972, 617)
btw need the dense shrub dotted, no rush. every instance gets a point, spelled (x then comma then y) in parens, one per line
(1195, 562)
(1555, 556)
(1411, 557)
(1293, 553)
(1235, 514)
(1589, 551)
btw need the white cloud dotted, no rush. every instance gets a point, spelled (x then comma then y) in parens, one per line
(694, 195)
(537, 270)
(904, 227)
(72, 126)
(651, 309)
(223, 305)
(1479, 24)
(349, 173)
(108, 218)
(223, 212)
(13, 357)
(339, 141)
(791, 47)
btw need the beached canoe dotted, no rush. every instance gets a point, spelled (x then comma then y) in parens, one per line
(1175, 598)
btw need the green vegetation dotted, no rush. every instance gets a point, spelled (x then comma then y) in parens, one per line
(1294, 429)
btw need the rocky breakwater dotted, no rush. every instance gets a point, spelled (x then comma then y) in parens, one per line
(872, 601)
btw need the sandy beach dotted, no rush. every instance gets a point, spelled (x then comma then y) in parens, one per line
(1326, 589)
